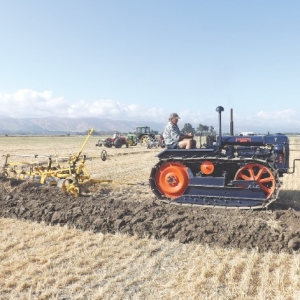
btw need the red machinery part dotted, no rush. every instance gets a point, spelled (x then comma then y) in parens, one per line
(207, 167)
(261, 174)
(172, 179)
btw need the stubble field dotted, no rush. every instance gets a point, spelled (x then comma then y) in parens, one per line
(119, 242)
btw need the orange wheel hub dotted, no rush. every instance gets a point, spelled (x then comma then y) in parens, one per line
(172, 179)
(207, 167)
(259, 173)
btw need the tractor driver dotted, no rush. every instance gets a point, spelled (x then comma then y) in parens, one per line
(174, 138)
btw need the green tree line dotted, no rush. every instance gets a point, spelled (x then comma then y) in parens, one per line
(199, 130)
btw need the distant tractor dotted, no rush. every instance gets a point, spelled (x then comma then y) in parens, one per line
(143, 134)
(117, 141)
(132, 139)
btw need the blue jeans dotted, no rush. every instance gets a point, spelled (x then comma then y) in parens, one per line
(173, 146)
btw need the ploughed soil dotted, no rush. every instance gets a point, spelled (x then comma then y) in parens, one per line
(133, 209)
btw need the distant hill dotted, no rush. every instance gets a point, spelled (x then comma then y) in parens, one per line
(53, 125)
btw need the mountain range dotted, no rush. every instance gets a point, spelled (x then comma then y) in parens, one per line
(53, 125)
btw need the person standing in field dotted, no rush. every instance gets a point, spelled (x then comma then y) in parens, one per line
(174, 138)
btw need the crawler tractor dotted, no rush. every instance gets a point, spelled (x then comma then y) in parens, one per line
(234, 172)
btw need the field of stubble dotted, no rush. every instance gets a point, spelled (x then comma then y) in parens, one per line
(39, 260)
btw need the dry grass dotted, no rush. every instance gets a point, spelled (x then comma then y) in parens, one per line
(291, 188)
(127, 165)
(42, 262)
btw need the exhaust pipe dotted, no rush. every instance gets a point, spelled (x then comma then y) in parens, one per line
(231, 122)
(219, 109)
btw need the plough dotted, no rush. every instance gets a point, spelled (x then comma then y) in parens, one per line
(70, 178)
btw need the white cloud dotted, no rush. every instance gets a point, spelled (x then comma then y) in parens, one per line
(269, 121)
(29, 104)
(26, 103)
(277, 115)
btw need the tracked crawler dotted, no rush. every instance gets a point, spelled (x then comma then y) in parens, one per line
(234, 172)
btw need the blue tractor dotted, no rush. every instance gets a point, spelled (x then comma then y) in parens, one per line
(234, 172)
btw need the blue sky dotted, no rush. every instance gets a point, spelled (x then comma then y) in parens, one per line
(145, 59)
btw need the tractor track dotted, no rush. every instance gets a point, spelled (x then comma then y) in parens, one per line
(160, 186)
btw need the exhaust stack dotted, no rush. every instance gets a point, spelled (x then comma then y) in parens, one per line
(231, 121)
(219, 109)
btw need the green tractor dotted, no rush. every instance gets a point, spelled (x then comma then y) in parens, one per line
(140, 136)
(132, 139)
